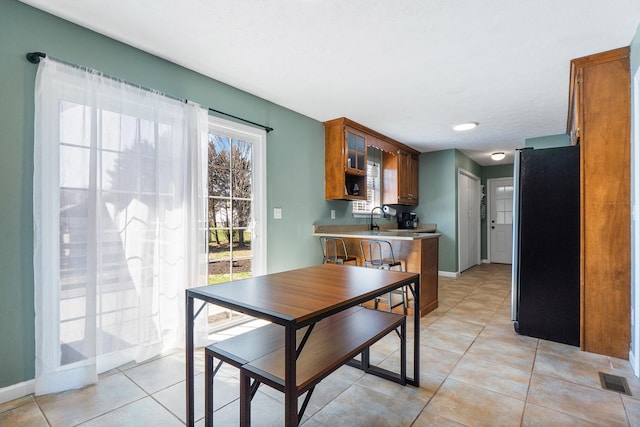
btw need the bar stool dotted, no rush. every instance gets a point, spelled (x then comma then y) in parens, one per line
(379, 254)
(335, 251)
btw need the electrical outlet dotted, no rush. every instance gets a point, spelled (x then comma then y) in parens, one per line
(333, 214)
(277, 213)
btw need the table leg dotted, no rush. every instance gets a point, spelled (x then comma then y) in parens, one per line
(245, 399)
(290, 395)
(416, 334)
(189, 360)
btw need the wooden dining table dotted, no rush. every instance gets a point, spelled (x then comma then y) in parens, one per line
(297, 299)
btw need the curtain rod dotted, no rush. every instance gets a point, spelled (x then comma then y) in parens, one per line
(34, 58)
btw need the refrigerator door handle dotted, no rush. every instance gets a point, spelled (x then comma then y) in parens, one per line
(516, 237)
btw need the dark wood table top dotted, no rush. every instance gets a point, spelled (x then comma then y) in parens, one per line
(304, 295)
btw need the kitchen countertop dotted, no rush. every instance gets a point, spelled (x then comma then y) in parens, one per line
(386, 234)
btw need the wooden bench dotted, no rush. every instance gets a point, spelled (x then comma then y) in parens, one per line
(334, 341)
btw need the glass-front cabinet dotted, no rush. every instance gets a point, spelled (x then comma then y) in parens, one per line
(345, 161)
(356, 150)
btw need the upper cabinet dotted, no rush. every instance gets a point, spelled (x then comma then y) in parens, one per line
(345, 161)
(400, 178)
(589, 75)
(346, 145)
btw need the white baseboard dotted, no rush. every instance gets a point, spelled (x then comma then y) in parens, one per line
(485, 261)
(17, 390)
(448, 273)
(632, 362)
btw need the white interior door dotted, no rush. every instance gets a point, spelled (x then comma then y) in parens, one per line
(469, 193)
(500, 220)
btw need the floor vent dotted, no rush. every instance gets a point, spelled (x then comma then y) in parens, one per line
(614, 383)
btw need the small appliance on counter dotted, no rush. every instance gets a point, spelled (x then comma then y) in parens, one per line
(407, 221)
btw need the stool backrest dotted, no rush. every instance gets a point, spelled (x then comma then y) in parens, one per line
(377, 252)
(333, 248)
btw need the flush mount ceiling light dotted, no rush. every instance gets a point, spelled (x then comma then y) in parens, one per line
(465, 126)
(497, 156)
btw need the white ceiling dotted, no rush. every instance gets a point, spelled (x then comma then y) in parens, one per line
(408, 69)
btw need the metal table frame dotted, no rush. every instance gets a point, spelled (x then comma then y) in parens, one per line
(363, 284)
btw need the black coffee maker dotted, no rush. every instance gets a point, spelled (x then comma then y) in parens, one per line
(407, 221)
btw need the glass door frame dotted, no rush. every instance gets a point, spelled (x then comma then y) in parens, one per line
(258, 223)
(257, 137)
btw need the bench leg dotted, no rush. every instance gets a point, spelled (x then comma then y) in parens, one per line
(208, 390)
(245, 399)
(209, 375)
(403, 353)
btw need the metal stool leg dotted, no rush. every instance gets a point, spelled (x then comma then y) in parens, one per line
(379, 254)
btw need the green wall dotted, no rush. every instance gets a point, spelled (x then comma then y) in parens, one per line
(550, 141)
(438, 190)
(464, 162)
(295, 158)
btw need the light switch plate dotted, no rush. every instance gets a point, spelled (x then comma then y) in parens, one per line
(277, 213)
(333, 214)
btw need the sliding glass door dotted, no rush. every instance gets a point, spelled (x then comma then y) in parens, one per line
(237, 227)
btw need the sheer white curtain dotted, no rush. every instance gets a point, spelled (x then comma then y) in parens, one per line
(119, 218)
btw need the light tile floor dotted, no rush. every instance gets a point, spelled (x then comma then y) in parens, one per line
(475, 371)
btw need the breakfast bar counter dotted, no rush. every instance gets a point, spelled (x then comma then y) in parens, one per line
(385, 234)
(416, 249)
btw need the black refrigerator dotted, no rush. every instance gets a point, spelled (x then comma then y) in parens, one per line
(546, 244)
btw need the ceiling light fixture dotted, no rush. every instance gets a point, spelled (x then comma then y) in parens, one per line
(465, 126)
(497, 156)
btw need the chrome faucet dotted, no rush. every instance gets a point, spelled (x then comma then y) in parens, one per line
(373, 226)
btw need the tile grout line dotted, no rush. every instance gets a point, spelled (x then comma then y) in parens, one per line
(46, 419)
(446, 376)
(526, 397)
(458, 361)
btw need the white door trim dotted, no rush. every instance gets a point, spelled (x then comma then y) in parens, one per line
(258, 139)
(490, 203)
(462, 171)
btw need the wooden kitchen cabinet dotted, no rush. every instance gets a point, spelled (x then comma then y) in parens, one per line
(345, 166)
(345, 161)
(599, 120)
(400, 178)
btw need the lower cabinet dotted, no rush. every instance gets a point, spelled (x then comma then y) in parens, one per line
(417, 256)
